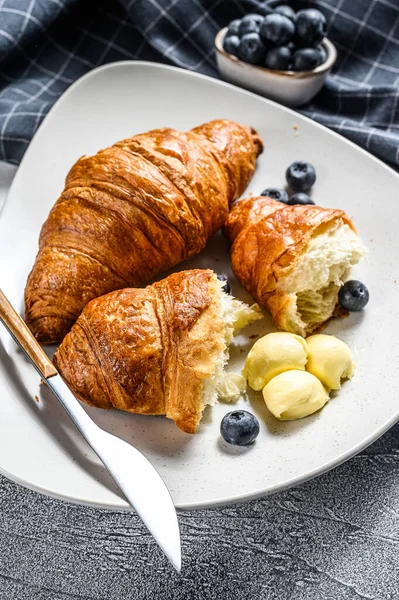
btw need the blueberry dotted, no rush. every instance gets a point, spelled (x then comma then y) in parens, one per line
(286, 10)
(239, 427)
(353, 296)
(231, 44)
(276, 194)
(251, 49)
(311, 27)
(250, 23)
(227, 287)
(277, 29)
(279, 58)
(305, 59)
(233, 27)
(299, 198)
(300, 176)
(322, 54)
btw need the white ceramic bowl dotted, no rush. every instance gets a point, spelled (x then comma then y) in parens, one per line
(287, 87)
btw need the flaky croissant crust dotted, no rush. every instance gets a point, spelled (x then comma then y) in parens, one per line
(148, 350)
(131, 211)
(267, 238)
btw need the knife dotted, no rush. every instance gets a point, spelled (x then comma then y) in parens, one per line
(134, 474)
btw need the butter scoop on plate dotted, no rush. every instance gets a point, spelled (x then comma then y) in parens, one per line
(297, 375)
(273, 354)
(330, 360)
(294, 395)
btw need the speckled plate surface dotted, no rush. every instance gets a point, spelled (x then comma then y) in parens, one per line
(39, 446)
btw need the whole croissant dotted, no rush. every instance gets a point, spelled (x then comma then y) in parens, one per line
(292, 259)
(131, 211)
(158, 350)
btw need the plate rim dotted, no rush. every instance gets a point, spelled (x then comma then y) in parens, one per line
(260, 492)
(227, 501)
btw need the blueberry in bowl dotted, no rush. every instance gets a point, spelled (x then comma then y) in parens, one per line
(231, 44)
(310, 27)
(279, 59)
(277, 29)
(305, 59)
(251, 48)
(250, 24)
(233, 28)
(322, 54)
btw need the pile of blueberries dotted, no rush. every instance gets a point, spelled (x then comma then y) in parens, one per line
(284, 40)
(300, 177)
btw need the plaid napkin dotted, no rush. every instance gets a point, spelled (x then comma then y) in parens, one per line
(45, 45)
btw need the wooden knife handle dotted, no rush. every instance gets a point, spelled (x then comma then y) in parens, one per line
(24, 338)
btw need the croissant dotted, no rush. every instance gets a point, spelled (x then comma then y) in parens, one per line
(159, 350)
(292, 259)
(131, 211)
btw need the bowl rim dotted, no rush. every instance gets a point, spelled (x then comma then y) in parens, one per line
(323, 68)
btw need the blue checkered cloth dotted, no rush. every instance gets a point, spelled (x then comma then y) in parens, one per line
(45, 45)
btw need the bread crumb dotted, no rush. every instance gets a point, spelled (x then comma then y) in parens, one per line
(37, 399)
(296, 127)
(394, 280)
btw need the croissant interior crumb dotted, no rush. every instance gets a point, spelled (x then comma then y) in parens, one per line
(231, 387)
(236, 315)
(314, 283)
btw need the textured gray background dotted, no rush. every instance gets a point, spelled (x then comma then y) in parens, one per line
(334, 538)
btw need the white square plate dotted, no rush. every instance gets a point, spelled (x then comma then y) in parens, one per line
(39, 446)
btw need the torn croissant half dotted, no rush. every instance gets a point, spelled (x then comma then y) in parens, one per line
(159, 350)
(293, 259)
